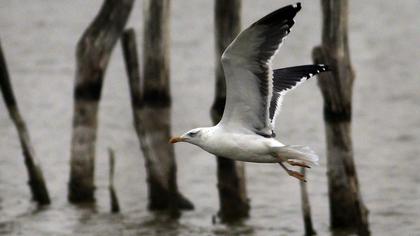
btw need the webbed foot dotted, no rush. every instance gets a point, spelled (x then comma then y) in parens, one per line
(297, 163)
(297, 175)
(292, 173)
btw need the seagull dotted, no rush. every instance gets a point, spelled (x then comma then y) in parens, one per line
(254, 93)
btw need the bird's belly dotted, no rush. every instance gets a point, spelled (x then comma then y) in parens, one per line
(244, 148)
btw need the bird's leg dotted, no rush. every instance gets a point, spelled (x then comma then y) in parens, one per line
(292, 173)
(296, 163)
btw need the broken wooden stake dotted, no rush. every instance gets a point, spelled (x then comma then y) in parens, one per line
(93, 52)
(234, 204)
(347, 209)
(151, 109)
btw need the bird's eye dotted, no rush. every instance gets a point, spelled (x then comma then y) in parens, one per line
(192, 133)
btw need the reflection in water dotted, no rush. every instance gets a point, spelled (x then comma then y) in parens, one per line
(342, 233)
(161, 223)
(7, 227)
(234, 229)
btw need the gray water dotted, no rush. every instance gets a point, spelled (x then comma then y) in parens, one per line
(39, 38)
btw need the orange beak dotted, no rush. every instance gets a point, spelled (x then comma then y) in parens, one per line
(176, 139)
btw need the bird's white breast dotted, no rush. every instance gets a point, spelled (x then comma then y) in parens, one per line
(239, 146)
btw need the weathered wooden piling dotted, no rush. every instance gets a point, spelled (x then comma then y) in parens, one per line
(234, 204)
(151, 107)
(36, 179)
(346, 205)
(92, 55)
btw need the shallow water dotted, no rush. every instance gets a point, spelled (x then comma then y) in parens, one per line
(39, 38)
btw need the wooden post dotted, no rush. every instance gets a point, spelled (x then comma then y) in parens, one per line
(36, 179)
(234, 203)
(306, 207)
(115, 205)
(346, 205)
(93, 52)
(151, 109)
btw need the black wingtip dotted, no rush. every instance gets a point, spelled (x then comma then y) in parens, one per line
(324, 67)
(286, 13)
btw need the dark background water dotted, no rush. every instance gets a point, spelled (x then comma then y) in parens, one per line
(39, 38)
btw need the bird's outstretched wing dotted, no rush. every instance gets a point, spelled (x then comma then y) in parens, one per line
(286, 79)
(247, 67)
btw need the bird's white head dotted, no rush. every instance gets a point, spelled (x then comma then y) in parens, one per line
(194, 136)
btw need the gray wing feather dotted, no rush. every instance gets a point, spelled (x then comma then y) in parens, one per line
(247, 67)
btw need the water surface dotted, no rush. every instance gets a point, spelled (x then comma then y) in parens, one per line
(39, 39)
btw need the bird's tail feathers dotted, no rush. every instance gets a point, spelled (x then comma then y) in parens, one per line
(298, 152)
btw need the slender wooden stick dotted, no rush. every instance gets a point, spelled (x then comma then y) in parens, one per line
(346, 204)
(306, 207)
(234, 204)
(93, 52)
(115, 206)
(152, 124)
(36, 179)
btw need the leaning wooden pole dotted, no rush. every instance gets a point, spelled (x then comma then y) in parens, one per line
(151, 109)
(36, 179)
(306, 207)
(346, 205)
(234, 204)
(92, 55)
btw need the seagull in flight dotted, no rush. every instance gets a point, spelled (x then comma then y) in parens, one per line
(254, 93)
